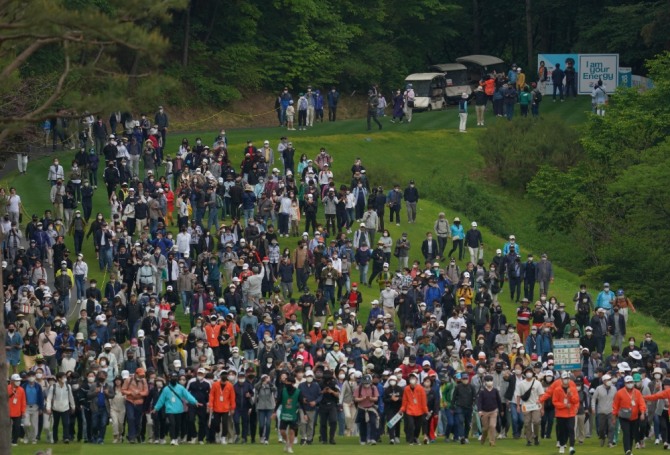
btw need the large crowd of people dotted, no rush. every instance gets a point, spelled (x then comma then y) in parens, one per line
(222, 318)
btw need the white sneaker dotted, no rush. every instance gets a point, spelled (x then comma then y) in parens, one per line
(194, 440)
(657, 442)
(572, 451)
(290, 450)
(162, 441)
(561, 449)
(223, 441)
(174, 442)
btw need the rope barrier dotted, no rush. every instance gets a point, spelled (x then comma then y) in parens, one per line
(223, 111)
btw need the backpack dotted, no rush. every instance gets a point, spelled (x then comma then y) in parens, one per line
(219, 202)
(538, 96)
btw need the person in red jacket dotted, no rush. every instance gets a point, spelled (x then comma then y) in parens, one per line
(17, 406)
(414, 408)
(566, 402)
(629, 406)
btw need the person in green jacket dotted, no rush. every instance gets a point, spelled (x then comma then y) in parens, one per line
(446, 393)
(291, 403)
(525, 98)
(172, 397)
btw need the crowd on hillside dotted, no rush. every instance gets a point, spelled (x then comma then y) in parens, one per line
(220, 245)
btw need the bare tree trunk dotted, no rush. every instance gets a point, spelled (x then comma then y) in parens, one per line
(529, 36)
(187, 35)
(476, 27)
(5, 435)
(212, 22)
(132, 79)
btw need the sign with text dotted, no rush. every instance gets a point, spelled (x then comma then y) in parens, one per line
(550, 61)
(595, 67)
(567, 354)
(589, 68)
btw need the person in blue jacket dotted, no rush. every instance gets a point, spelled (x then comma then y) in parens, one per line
(318, 106)
(457, 236)
(172, 398)
(605, 298)
(509, 244)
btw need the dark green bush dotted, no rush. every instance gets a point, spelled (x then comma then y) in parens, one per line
(514, 151)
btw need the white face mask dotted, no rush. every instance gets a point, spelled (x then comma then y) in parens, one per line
(529, 375)
(392, 383)
(488, 384)
(241, 380)
(412, 381)
(630, 385)
(341, 377)
(309, 379)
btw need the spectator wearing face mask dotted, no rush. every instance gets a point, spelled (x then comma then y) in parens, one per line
(489, 404)
(414, 408)
(16, 396)
(601, 405)
(528, 393)
(629, 407)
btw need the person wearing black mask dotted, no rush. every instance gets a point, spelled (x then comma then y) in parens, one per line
(172, 397)
(290, 400)
(330, 396)
(199, 387)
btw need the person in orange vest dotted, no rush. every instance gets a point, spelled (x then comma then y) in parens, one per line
(414, 408)
(565, 399)
(489, 87)
(630, 408)
(212, 331)
(17, 406)
(221, 406)
(316, 335)
(233, 329)
(339, 333)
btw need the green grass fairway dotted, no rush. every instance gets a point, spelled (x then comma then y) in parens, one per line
(344, 446)
(428, 148)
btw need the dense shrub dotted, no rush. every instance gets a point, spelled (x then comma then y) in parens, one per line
(514, 151)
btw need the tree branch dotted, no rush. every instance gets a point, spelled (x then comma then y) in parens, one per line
(23, 56)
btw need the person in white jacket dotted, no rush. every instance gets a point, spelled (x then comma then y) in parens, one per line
(60, 405)
(253, 285)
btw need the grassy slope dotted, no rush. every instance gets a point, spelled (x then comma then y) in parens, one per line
(409, 151)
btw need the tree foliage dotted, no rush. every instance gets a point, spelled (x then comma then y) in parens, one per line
(75, 54)
(616, 202)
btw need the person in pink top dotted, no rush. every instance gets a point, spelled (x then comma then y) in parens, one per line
(366, 397)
